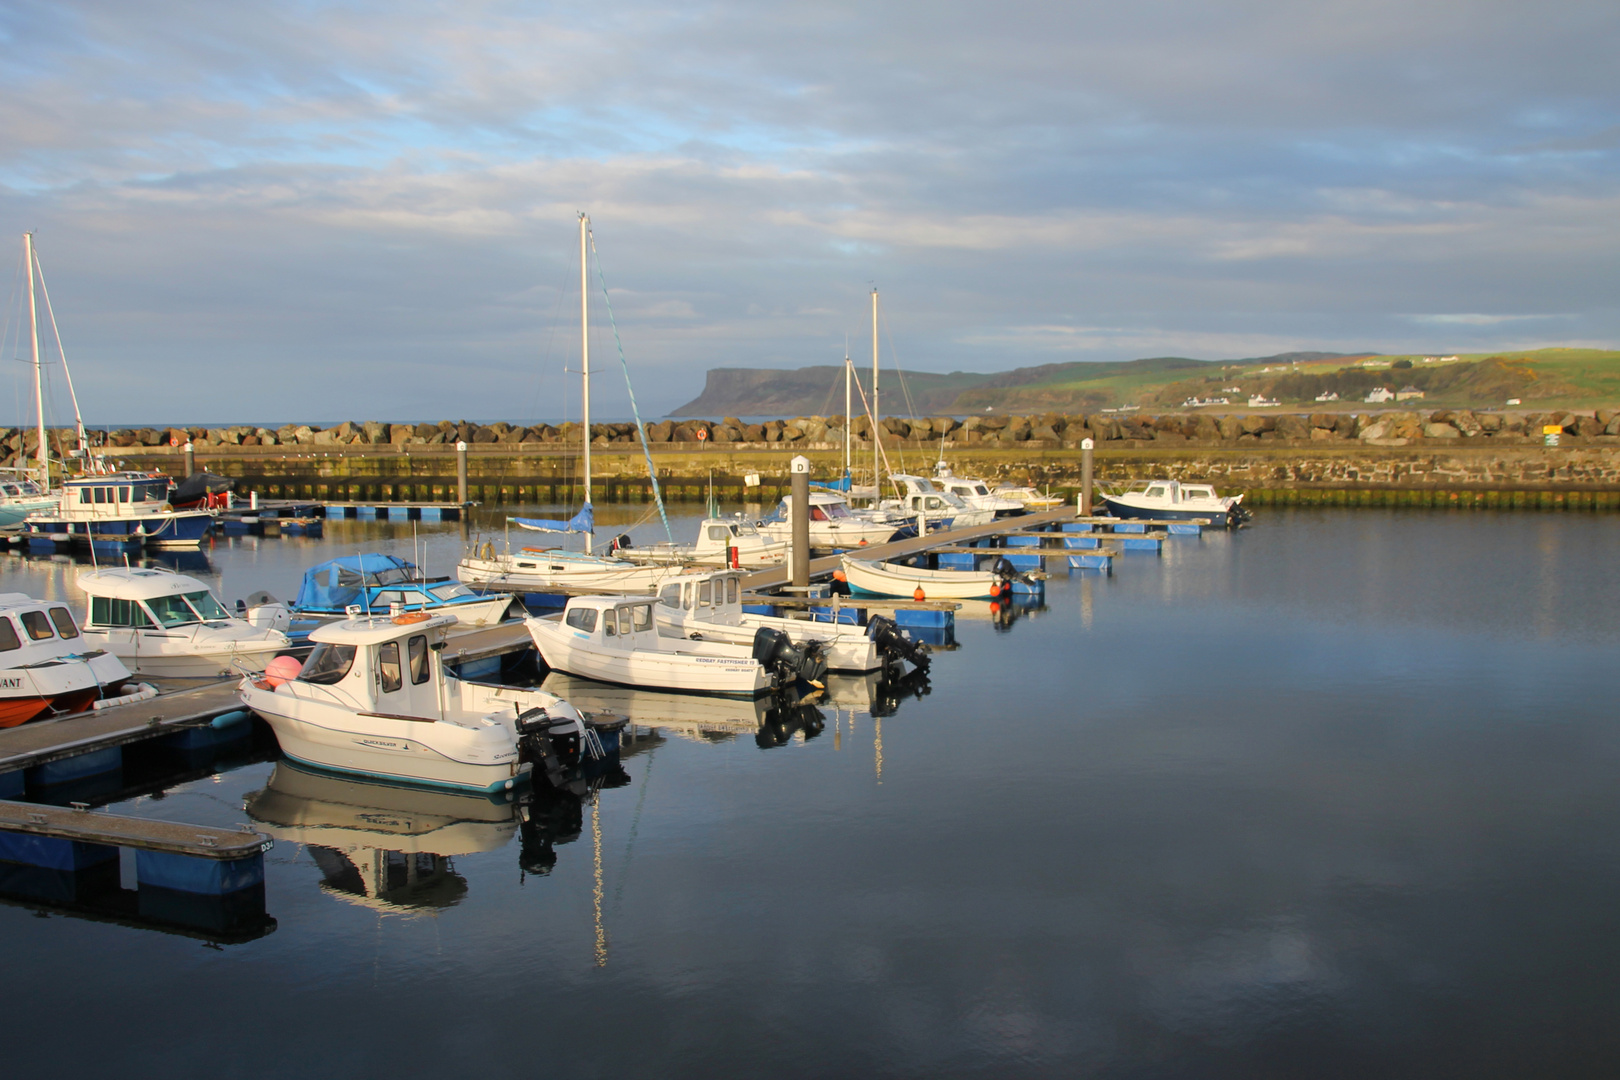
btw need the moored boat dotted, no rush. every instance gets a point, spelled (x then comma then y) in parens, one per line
(375, 699)
(161, 623)
(376, 583)
(893, 579)
(1171, 500)
(47, 666)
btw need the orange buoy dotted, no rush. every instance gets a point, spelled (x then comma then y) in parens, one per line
(411, 617)
(919, 595)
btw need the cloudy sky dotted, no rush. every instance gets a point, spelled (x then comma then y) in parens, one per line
(343, 210)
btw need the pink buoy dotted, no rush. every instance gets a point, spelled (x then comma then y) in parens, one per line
(282, 669)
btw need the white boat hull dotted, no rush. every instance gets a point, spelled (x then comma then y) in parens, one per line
(847, 648)
(694, 667)
(887, 579)
(177, 654)
(537, 573)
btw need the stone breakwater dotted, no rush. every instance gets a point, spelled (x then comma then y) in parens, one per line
(1391, 458)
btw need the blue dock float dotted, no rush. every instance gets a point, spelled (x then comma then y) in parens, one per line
(958, 560)
(1076, 526)
(1184, 528)
(224, 728)
(1025, 561)
(1130, 526)
(1141, 543)
(1023, 540)
(1098, 561)
(1082, 543)
(13, 784)
(841, 615)
(65, 770)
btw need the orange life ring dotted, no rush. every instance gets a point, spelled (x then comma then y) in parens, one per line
(411, 617)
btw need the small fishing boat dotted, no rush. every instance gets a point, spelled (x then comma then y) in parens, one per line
(939, 508)
(616, 639)
(538, 570)
(374, 582)
(832, 523)
(893, 579)
(166, 624)
(975, 493)
(733, 542)
(375, 699)
(48, 667)
(1029, 497)
(709, 608)
(1170, 500)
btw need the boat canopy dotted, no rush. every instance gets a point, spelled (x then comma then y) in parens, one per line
(339, 583)
(582, 522)
(127, 583)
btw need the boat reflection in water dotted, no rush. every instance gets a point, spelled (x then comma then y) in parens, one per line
(1002, 614)
(392, 848)
(773, 719)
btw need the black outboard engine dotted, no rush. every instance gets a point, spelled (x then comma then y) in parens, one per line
(619, 543)
(787, 718)
(1005, 570)
(893, 645)
(790, 663)
(550, 743)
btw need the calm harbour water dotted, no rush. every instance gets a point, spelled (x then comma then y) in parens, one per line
(1333, 796)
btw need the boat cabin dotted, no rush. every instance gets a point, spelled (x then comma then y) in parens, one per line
(612, 622)
(384, 663)
(921, 496)
(1173, 492)
(33, 631)
(715, 598)
(115, 495)
(824, 506)
(148, 599)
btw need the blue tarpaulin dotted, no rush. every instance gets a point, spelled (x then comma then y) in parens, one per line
(333, 585)
(582, 522)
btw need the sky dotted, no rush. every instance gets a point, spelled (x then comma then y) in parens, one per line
(319, 211)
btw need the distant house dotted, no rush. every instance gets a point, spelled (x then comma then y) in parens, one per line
(1259, 401)
(1380, 395)
(1330, 396)
(1406, 393)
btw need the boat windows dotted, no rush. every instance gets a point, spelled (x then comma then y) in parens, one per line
(641, 617)
(37, 625)
(8, 636)
(10, 489)
(105, 611)
(670, 596)
(706, 594)
(327, 664)
(581, 618)
(389, 675)
(837, 510)
(731, 590)
(626, 624)
(204, 604)
(719, 532)
(171, 611)
(817, 514)
(63, 618)
(123, 494)
(453, 591)
(417, 651)
(1157, 491)
(609, 627)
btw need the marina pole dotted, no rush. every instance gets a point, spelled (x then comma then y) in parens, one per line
(1085, 476)
(585, 352)
(39, 375)
(877, 445)
(191, 458)
(461, 472)
(800, 495)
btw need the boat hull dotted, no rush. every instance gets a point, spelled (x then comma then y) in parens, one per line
(686, 672)
(393, 749)
(67, 685)
(1219, 518)
(884, 579)
(520, 574)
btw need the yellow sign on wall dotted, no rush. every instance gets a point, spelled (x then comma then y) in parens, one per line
(1552, 429)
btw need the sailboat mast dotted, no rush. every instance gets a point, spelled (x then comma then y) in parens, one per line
(877, 445)
(849, 371)
(39, 377)
(67, 372)
(585, 349)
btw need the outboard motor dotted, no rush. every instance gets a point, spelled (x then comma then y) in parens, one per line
(788, 718)
(620, 543)
(893, 645)
(264, 611)
(550, 743)
(790, 663)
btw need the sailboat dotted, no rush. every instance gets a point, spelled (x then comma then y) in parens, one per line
(20, 493)
(538, 569)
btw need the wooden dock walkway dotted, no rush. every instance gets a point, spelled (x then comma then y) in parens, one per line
(142, 834)
(43, 741)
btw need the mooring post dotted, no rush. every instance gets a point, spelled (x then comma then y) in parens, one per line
(461, 473)
(191, 458)
(800, 496)
(1085, 476)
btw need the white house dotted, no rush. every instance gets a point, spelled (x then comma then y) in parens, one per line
(1380, 395)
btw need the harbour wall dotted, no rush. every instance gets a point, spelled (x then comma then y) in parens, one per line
(1443, 457)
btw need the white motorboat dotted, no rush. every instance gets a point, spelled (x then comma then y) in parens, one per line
(21, 496)
(1171, 500)
(375, 699)
(975, 493)
(730, 542)
(709, 608)
(47, 665)
(616, 639)
(832, 523)
(892, 579)
(939, 508)
(166, 624)
(1031, 498)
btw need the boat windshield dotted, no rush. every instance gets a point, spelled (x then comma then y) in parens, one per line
(453, 591)
(836, 510)
(183, 608)
(204, 604)
(327, 664)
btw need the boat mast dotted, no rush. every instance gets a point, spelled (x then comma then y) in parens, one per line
(67, 372)
(849, 371)
(585, 351)
(877, 444)
(39, 378)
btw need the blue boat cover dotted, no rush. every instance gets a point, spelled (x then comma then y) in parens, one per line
(582, 522)
(333, 585)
